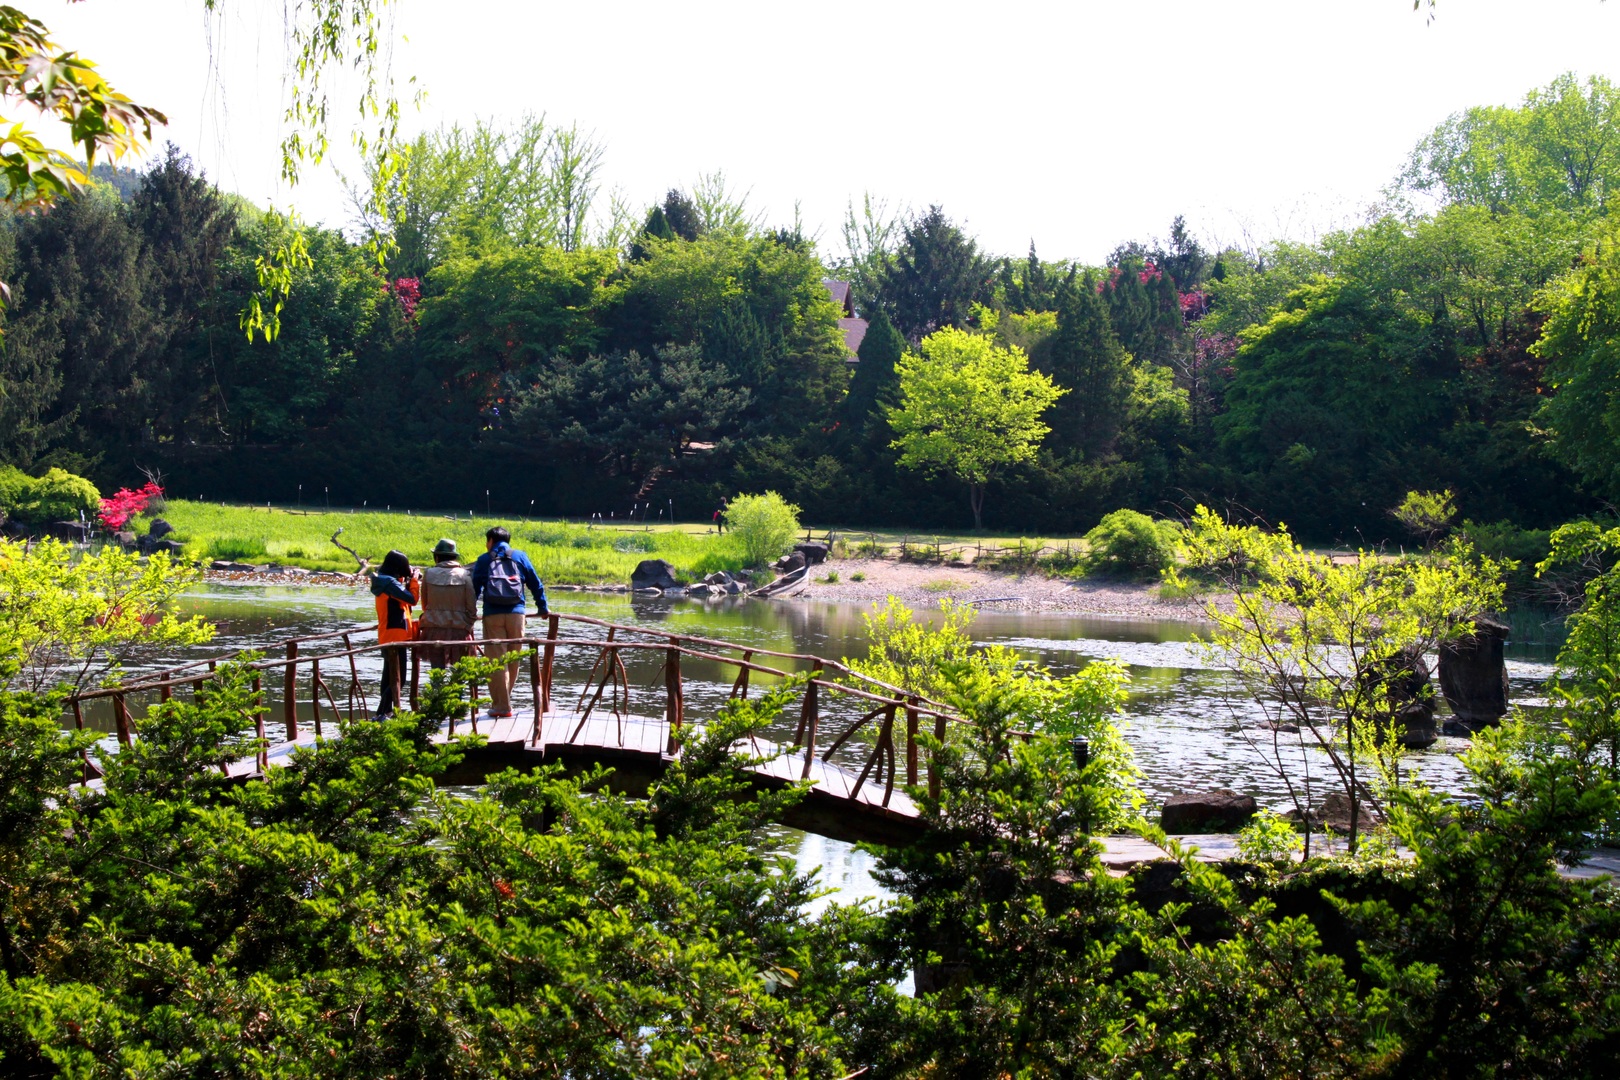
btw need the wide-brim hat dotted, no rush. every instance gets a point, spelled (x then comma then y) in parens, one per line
(445, 547)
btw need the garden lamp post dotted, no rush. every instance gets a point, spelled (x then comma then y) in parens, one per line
(1080, 747)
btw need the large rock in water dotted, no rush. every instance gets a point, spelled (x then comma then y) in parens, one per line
(653, 574)
(1207, 811)
(1411, 701)
(1473, 675)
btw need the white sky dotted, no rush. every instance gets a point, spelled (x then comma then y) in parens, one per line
(1080, 124)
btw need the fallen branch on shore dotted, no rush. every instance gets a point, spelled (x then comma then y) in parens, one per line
(364, 564)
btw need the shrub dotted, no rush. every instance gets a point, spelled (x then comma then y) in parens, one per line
(1131, 544)
(766, 524)
(58, 495)
(235, 548)
(1269, 838)
(857, 576)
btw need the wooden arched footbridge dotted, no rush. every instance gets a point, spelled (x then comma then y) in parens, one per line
(855, 738)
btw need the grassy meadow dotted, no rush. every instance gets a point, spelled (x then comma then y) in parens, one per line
(563, 554)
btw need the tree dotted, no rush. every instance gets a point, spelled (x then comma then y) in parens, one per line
(934, 278)
(1323, 413)
(633, 416)
(1581, 343)
(875, 380)
(969, 409)
(67, 621)
(1085, 357)
(1327, 648)
(1559, 150)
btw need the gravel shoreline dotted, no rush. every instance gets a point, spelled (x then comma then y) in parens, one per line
(919, 586)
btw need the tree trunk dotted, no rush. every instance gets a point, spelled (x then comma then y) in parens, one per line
(976, 498)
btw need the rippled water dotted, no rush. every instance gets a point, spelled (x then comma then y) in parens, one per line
(1186, 720)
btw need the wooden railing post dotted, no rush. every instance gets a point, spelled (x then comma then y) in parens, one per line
(354, 680)
(672, 695)
(314, 702)
(78, 725)
(416, 676)
(289, 693)
(538, 686)
(933, 773)
(121, 719)
(552, 622)
(258, 722)
(739, 689)
(911, 741)
(810, 718)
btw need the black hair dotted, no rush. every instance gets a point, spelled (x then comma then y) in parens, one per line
(396, 564)
(500, 534)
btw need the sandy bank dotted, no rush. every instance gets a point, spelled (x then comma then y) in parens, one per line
(923, 586)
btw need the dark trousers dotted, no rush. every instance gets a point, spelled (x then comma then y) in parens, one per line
(393, 675)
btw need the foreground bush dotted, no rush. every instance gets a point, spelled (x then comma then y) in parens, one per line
(343, 918)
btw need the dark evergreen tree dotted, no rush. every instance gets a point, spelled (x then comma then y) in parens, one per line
(934, 278)
(741, 343)
(682, 214)
(875, 382)
(1086, 356)
(657, 228)
(1183, 259)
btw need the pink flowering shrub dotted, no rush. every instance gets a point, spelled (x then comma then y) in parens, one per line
(117, 509)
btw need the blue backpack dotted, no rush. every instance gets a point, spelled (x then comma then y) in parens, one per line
(505, 584)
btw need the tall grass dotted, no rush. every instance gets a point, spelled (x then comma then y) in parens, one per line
(563, 554)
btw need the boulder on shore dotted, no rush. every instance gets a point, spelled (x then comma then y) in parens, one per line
(814, 552)
(653, 574)
(1473, 675)
(1334, 812)
(1207, 811)
(173, 548)
(159, 529)
(125, 539)
(75, 532)
(790, 563)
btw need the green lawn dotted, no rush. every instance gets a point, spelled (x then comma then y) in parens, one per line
(563, 554)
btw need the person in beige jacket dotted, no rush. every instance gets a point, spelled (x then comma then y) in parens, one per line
(449, 605)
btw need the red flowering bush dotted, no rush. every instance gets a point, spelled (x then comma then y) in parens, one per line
(117, 509)
(408, 291)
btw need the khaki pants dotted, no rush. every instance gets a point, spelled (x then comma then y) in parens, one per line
(501, 683)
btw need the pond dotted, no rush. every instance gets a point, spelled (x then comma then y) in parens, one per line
(1185, 718)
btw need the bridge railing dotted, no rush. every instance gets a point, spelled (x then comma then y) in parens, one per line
(890, 717)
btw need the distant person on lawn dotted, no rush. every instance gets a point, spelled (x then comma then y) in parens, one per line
(449, 605)
(500, 575)
(396, 587)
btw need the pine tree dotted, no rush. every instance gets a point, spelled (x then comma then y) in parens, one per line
(657, 228)
(1086, 356)
(875, 383)
(934, 278)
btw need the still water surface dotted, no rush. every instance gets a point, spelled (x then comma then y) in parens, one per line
(1185, 717)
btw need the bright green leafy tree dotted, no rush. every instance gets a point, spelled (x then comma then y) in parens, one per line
(969, 409)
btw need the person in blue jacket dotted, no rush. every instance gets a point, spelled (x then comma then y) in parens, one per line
(499, 577)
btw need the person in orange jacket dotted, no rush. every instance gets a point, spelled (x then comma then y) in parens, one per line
(398, 589)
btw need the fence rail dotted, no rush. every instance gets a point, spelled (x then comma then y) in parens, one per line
(883, 704)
